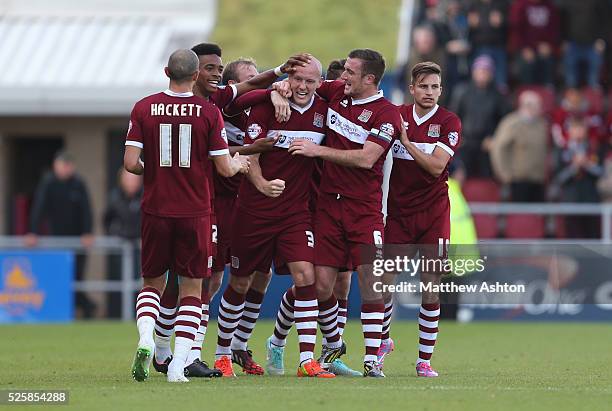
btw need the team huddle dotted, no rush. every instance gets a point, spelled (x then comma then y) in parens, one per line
(258, 172)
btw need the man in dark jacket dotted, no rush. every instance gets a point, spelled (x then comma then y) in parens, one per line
(62, 201)
(480, 106)
(122, 219)
(585, 26)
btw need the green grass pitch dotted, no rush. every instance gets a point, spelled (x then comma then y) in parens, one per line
(483, 366)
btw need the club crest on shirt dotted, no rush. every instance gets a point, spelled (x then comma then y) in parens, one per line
(254, 130)
(365, 115)
(453, 138)
(434, 131)
(318, 120)
(344, 103)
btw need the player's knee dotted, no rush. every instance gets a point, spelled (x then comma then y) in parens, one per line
(240, 284)
(215, 283)
(324, 290)
(159, 283)
(342, 286)
(303, 278)
(260, 281)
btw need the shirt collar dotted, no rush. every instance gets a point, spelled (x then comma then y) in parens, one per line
(420, 120)
(175, 94)
(299, 109)
(376, 96)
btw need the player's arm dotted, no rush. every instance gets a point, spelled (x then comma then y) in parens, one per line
(261, 145)
(132, 161)
(433, 163)
(265, 79)
(230, 166)
(365, 157)
(270, 188)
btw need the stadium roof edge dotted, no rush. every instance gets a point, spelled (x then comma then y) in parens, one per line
(90, 64)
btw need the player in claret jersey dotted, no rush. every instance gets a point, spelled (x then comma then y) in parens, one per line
(418, 206)
(177, 132)
(362, 125)
(207, 86)
(284, 318)
(273, 218)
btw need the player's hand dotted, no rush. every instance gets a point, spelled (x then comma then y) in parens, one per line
(273, 188)
(301, 59)
(282, 110)
(404, 135)
(243, 163)
(304, 148)
(283, 88)
(87, 240)
(262, 145)
(30, 240)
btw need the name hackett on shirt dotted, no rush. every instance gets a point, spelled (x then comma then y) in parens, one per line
(176, 109)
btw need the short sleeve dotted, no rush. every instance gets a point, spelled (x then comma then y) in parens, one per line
(134, 133)
(450, 137)
(329, 88)
(386, 127)
(224, 96)
(245, 101)
(217, 143)
(257, 124)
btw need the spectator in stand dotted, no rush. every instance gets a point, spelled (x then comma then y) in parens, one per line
(535, 40)
(604, 185)
(488, 34)
(62, 201)
(480, 106)
(575, 105)
(519, 149)
(578, 169)
(450, 27)
(122, 214)
(122, 219)
(584, 26)
(424, 48)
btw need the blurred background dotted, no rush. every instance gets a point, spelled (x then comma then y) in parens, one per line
(530, 80)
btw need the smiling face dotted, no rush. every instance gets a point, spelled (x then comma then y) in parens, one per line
(354, 81)
(304, 82)
(426, 91)
(210, 69)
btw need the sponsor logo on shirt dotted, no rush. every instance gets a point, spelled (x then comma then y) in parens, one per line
(348, 129)
(318, 120)
(434, 131)
(224, 134)
(129, 126)
(254, 130)
(387, 128)
(286, 137)
(453, 138)
(365, 115)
